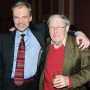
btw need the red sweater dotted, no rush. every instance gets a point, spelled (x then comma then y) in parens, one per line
(54, 63)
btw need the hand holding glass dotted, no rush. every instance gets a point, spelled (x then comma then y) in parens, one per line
(54, 74)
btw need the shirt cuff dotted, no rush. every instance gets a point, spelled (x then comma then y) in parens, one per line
(70, 83)
(75, 34)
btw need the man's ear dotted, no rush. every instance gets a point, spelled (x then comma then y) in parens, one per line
(67, 28)
(30, 19)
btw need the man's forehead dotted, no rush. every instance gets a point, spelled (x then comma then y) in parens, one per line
(57, 21)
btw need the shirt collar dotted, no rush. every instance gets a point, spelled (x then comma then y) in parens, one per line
(27, 33)
(63, 42)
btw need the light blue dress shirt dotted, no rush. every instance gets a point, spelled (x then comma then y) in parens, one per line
(32, 49)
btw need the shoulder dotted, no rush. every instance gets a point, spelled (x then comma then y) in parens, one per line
(40, 25)
(71, 42)
(48, 42)
(71, 39)
(5, 35)
(40, 29)
(2, 34)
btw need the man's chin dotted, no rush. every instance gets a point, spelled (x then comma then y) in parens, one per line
(21, 30)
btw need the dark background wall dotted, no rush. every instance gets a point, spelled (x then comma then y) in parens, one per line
(42, 9)
(82, 15)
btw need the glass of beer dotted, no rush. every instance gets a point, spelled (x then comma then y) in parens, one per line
(54, 74)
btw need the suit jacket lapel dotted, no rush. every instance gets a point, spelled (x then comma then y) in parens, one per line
(48, 48)
(43, 73)
(12, 44)
(47, 53)
(68, 56)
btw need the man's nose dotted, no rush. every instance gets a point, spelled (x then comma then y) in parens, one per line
(55, 29)
(20, 20)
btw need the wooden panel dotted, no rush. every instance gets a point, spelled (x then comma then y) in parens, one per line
(82, 16)
(36, 11)
(46, 7)
(55, 7)
(66, 8)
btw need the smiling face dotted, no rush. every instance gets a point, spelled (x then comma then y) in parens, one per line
(60, 30)
(21, 17)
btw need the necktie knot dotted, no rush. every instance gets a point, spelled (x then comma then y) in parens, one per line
(22, 35)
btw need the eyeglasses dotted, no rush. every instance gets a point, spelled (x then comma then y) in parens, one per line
(58, 28)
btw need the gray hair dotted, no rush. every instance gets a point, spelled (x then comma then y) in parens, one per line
(65, 19)
(22, 3)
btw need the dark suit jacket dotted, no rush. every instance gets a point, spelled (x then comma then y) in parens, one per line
(7, 41)
(76, 64)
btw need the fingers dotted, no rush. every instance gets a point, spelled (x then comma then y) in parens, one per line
(77, 40)
(84, 44)
(12, 29)
(60, 81)
(59, 85)
(85, 41)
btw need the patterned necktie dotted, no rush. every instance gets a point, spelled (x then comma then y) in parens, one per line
(19, 72)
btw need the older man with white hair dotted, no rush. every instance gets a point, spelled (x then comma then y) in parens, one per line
(63, 56)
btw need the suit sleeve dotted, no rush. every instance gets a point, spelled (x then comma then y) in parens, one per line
(83, 75)
(47, 30)
(71, 33)
(1, 68)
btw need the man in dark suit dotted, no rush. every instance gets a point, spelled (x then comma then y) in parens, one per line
(35, 43)
(34, 50)
(67, 67)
